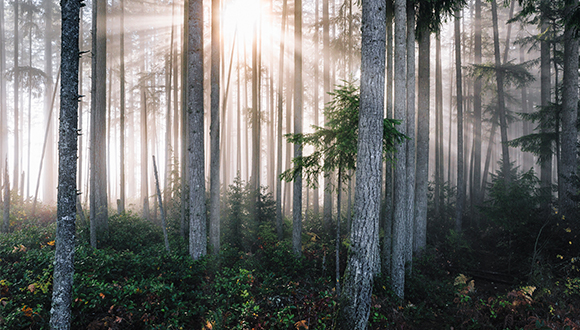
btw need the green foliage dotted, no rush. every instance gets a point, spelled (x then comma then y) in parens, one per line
(335, 145)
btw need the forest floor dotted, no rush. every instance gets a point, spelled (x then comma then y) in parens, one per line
(131, 282)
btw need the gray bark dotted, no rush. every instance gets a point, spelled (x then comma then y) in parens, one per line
(327, 207)
(569, 135)
(388, 211)
(400, 173)
(298, 91)
(500, 96)
(214, 211)
(3, 107)
(410, 168)
(363, 261)
(16, 99)
(545, 98)
(420, 236)
(144, 138)
(459, 104)
(60, 313)
(98, 131)
(122, 106)
(279, 229)
(477, 88)
(195, 128)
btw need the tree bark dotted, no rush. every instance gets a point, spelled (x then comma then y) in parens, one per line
(477, 88)
(60, 313)
(3, 107)
(279, 229)
(49, 183)
(298, 91)
(214, 211)
(460, 166)
(568, 156)
(400, 174)
(545, 98)
(420, 236)
(327, 207)
(98, 154)
(363, 261)
(161, 209)
(122, 106)
(411, 148)
(16, 99)
(195, 127)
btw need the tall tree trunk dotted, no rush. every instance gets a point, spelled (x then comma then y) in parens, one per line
(144, 140)
(16, 99)
(477, 88)
(256, 122)
(420, 235)
(411, 144)
(214, 211)
(195, 128)
(279, 229)
(60, 313)
(388, 208)
(122, 105)
(568, 158)
(460, 166)
(49, 183)
(298, 91)
(98, 153)
(327, 208)
(316, 86)
(499, 74)
(400, 174)
(3, 107)
(439, 177)
(363, 261)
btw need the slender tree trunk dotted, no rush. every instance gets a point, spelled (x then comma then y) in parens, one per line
(499, 74)
(122, 106)
(98, 152)
(279, 229)
(16, 99)
(363, 261)
(420, 235)
(60, 313)
(439, 177)
(256, 122)
(411, 144)
(161, 209)
(49, 183)
(316, 86)
(337, 237)
(214, 211)
(195, 128)
(460, 166)
(298, 86)
(144, 142)
(477, 89)
(569, 162)
(3, 107)
(545, 98)
(400, 217)
(327, 208)
(388, 211)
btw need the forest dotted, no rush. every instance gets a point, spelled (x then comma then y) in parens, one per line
(289, 164)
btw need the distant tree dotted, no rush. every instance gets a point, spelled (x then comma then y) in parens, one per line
(6, 201)
(60, 313)
(98, 129)
(195, 129)
(215, 129)
(49, 183)
(298, 113)
(16, 98)
(3, 107)
(459, 104)
(122, 106)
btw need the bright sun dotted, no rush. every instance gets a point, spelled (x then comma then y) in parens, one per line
(241, 15)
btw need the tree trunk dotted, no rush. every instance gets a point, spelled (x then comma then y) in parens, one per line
(195, 128)
(460, 169)
(49, 183)
(316, 205)
(161, 209)
(214, 211)
(363, 261)
(568, 158)
(3, 107)
(98, 153)
(420, 235)
(477, 88)
(438, 196)
(122, 106)
(410, 168)
(400, 174)
(279, 229)
(327, 208)
(144, 140)
(16, 99)
(60, 313)
(388, 208)
(499, 74)
(298, 91)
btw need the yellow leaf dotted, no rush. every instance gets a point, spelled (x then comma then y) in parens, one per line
(301, 324)
(51, 243)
